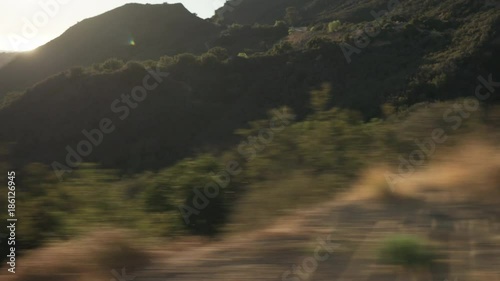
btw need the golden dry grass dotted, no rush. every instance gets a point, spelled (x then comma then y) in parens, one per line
(469, 172)
(90, 258)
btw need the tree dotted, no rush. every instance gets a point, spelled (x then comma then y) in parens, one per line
(112, 65)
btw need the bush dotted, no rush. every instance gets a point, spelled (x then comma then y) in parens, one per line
(221, 53)
(282, 47)
(166, 61)
(235, 27)
(333, 26)
(406, 251)
(185, 59)
(318, 43)
(243, 55)
(208, 59)
(112, 65)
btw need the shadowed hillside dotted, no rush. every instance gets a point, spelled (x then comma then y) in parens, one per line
(131, 32)
(413, 59)
(233, 144)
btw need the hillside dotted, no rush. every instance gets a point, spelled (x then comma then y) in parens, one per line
(255, 133)
(130, 32)
(5, 58)
(308, 12)
(411, 60)
(340, 238)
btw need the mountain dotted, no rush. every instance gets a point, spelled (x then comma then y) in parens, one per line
(310, 12)
(423, 51)
(130, 32)
(391, 107)
(304, 12)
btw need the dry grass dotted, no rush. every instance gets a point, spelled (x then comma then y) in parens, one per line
(266, 201)
(90, 258)
(470, 172)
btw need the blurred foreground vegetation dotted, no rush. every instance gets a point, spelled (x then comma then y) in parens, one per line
(303, 162)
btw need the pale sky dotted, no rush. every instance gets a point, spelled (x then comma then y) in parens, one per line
(50, 18)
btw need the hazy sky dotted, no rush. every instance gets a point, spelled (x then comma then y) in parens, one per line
(27, 24)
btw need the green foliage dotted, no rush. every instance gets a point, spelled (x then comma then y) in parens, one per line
(112, 65)
(333, 26)
(156, 35)
(431, 54)
(319, 42)
(281, 48)
(243, 55)
(220, 53)
(185, 59)
(208, 59)
(166, 61)
(151, 64)
(406, 251)
(235, 27)
(253, 37)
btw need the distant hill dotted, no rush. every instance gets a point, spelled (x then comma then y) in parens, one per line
(131, 32)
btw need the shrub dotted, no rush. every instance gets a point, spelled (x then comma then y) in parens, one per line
(152, 64)
(166, 61)
(235, 27)
(112, 65)
(282, 47)
(243, 55)
(208, 59)
(185, 59)
(221, 53)
(333, 26)
(318, 43)
(406, 251)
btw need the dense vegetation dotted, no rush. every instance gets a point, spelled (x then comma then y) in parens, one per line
(217, 105)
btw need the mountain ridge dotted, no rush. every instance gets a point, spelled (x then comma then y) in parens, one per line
(434, 55)
(118, 33)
